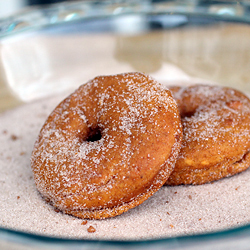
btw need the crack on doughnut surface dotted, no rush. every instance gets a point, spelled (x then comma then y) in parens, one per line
(243, 158)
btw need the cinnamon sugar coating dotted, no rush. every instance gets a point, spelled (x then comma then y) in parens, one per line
(216, 134)
(108, 146)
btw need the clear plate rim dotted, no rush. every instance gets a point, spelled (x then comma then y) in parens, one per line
(13, 235)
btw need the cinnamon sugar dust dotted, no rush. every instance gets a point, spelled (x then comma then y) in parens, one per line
(172, 211)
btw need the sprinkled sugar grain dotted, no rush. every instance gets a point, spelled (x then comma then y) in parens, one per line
(169, 212)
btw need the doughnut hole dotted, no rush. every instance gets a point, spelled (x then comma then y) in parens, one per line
(95, 134)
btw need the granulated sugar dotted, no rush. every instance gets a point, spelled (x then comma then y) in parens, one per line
(171, 211)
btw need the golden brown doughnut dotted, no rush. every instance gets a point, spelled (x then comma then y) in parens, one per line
(216, 134)
(107, 147)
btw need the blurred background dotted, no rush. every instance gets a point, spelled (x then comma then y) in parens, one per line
(10, 7)
(70, 44)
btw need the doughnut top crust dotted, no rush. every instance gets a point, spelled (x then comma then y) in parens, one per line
(108, 146)
(216, 134)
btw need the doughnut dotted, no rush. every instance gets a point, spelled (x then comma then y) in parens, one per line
(216, 134)
(107, 147)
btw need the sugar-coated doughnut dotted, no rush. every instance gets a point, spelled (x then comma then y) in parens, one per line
(216, 134)
(108, 146)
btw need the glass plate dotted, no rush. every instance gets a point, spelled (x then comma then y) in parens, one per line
(47, 51)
